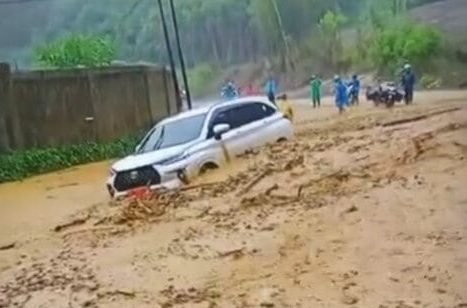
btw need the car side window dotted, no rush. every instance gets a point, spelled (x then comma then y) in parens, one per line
(248, 113)
(265, 109)
(220, 118)
(240, 115)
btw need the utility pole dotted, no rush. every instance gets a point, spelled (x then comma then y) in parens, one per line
(171, 59)
(283, 35)
(180, 54)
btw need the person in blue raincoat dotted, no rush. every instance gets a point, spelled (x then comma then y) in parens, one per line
(229, 91)
(271, 89)
(354, 89)
(340, 91)
(408, 83)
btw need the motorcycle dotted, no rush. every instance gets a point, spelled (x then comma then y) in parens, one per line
(386, 93)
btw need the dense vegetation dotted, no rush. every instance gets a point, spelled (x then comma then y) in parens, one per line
(18, 165)
(75, 50)
(219, 32)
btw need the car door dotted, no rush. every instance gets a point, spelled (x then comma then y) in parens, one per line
(268, 118)
(229, 141)
(249, 120)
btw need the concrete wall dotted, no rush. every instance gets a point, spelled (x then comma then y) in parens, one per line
(57, 107)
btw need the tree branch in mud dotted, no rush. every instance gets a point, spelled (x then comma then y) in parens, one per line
(8, 246)
(419, 118)
(75, 222)
(255, 181)
(93, 229)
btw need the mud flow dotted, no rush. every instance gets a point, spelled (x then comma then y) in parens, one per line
(366, 209)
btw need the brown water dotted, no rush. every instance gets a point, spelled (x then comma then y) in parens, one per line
(35, 204)
(380, 223)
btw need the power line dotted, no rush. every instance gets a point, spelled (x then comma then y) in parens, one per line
(130, 11)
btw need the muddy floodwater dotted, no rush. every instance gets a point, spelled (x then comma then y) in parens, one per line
(367, 209)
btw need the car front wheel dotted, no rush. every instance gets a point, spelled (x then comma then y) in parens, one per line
(207, 167)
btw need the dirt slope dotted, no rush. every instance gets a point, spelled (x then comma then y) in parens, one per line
(361, 210)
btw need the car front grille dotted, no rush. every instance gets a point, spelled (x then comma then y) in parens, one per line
(144, 176)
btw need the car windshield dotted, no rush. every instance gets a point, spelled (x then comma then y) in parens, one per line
(173, 133)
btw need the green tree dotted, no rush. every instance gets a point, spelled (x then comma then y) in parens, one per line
(76, 50)
(405, 40)
(330, 26)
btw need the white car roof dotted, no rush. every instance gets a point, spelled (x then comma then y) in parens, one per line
(205, 109)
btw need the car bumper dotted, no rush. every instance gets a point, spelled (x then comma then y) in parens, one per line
(170, 178)
(122, 194)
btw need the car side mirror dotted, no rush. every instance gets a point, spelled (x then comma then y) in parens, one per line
(220, 129)
(137, 148)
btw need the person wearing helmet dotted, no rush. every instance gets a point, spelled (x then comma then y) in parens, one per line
(315, 91)
(340, 91)
(408, 83)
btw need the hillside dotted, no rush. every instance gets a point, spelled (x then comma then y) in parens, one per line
(449, 15)
(221, 39)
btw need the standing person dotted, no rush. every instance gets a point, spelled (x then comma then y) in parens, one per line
(408, 83)
(229, 91)
(340, 91)
(250, 90)
(315, 91)
(354, 90)
(285, 106)
(271, 89)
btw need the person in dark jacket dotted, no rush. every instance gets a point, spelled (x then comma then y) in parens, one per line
(354, 89)
(408, 83)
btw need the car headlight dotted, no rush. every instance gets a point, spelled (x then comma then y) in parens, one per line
(174, 159)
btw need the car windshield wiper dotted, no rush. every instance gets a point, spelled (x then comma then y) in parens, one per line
(159, 142)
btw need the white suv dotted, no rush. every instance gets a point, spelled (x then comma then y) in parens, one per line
(190, 143)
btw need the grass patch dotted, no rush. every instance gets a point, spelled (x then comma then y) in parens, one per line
(18, 165)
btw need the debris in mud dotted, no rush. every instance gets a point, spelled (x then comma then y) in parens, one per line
(425, 143)
(419, 117)
(267, 200)
(235, 253)
(112, 293)
(255, 180)
(8, 246)
(329, 184)
(186, 296)
(153, 206)
(56, 274)
(75, 222)
(349, 300)
(351, 209)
